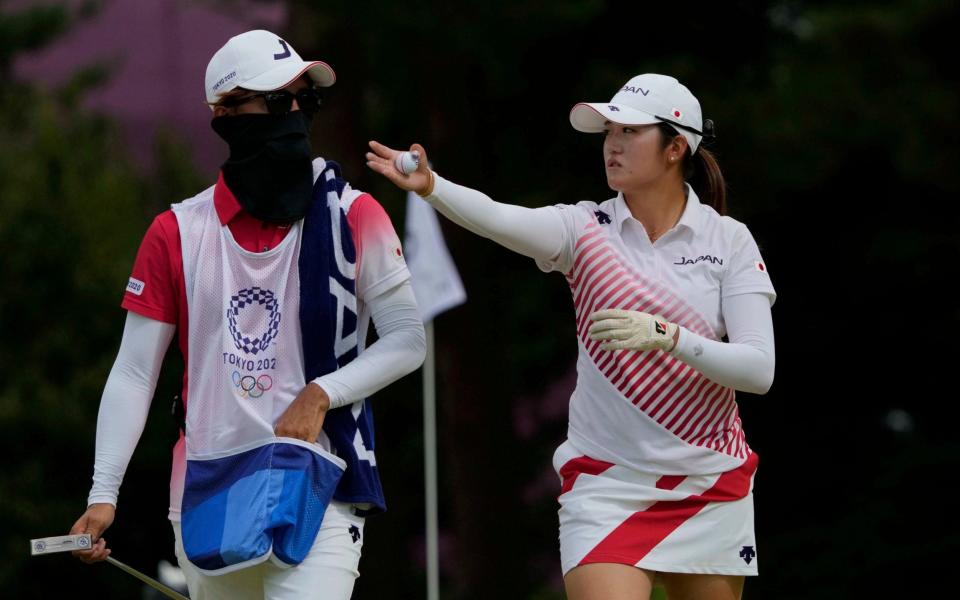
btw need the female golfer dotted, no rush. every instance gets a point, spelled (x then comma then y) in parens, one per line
(656, 474)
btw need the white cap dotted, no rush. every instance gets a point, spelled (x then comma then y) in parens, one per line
(644, 100)
(261, 61)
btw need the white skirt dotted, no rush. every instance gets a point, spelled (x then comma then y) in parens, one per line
(670, 523)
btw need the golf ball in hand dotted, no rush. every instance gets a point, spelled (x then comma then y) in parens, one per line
(407, 162)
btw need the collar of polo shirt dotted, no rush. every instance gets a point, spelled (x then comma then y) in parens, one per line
(690, 218)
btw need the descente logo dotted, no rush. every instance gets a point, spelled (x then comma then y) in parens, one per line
(692, 261)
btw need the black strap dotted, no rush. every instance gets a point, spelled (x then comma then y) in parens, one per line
(708, 133)
(179, 413)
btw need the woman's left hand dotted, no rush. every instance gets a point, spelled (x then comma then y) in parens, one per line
(633, 330)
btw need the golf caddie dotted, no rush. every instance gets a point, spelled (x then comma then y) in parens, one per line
(269, 278)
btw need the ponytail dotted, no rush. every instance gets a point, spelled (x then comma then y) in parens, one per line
(701, 170)
(707, 180)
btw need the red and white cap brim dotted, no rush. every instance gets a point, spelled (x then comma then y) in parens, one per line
(591, 117)
(320, 72)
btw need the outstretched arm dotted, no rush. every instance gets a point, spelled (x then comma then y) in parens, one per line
(534, 232)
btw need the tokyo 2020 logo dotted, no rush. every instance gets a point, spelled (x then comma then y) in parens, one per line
(251, 386)
(253, 297)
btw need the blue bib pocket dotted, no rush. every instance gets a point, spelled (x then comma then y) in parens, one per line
(239, 510)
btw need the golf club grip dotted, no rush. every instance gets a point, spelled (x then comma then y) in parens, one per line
(169, 592)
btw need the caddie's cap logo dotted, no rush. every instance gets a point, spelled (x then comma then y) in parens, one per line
(285, 53)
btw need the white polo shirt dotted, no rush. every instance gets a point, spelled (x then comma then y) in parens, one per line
(648, 410)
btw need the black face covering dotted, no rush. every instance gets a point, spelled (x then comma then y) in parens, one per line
(270, 169)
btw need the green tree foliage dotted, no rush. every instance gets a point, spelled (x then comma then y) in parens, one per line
(27, 30)
(70, 214)
(72, 211)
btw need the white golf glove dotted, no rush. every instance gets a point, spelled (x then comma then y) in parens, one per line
(631, 330)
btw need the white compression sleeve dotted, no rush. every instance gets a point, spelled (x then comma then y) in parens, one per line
(534, 232)
(747, 362)
(126, 401)
(399, 350)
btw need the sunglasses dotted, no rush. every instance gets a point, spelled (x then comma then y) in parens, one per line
(279, 102)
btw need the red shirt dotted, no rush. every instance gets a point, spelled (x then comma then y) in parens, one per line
(157, 289)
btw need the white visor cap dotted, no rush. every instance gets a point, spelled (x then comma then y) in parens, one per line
(644, 100)
(261, 61)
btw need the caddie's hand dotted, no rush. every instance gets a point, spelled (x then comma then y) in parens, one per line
(95, 521)
(632, 330)
(382, 161)
(303, 419)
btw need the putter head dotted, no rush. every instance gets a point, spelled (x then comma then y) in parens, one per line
(60, 543)
(171, 575)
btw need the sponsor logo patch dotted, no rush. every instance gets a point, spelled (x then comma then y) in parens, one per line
(135, 286)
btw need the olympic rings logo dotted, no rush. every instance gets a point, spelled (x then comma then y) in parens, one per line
(251, 386)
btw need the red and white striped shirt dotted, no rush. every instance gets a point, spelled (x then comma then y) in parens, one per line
(648, 410)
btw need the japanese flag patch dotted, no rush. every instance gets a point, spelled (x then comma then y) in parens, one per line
(760, 266)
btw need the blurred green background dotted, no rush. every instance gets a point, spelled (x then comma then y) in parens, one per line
(836, 131)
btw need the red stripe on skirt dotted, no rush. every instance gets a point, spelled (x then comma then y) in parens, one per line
(669, 482)
(643, 531)
(575, 466)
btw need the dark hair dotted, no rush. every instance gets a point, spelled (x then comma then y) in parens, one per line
(701, 171)
(236, 92)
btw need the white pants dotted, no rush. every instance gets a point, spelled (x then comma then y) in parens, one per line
(328, 572)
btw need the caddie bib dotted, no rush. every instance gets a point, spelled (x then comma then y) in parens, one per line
(249, 495)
